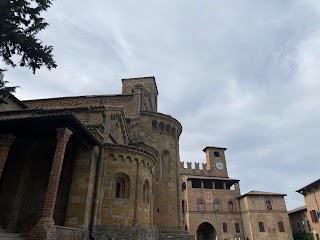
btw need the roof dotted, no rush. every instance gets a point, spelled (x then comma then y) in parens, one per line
(16, 100)
(47, 124)
(308, 187)
(205, 149)
(80, 96)
(261, 193)
(298, 209)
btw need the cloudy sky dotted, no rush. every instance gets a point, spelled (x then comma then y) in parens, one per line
(237, 74)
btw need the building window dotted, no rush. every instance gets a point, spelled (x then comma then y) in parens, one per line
(216, 205)
(225, 227)
(268, 203)
(281, 228)
(308, 224)
(200, 205)
(230, 206)
(237, 226)
(146, 193)
(317, 236)
(313, 215)
(183, 207)
(261, 227)
(121, 186)
(216, 154)
(183, 186)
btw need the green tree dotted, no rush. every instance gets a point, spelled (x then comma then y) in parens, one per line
(20, 22)
(303, 236)
(4, 90)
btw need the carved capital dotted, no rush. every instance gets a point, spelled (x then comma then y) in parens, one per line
(63, 134)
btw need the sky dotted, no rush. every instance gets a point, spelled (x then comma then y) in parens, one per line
(237, 74)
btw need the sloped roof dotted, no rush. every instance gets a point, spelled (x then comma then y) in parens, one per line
(307, 188)
(298, 209)
(261, 193)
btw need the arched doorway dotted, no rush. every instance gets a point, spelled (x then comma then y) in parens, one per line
(206, 231)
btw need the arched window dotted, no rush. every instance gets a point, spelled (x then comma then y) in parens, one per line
(146, 194)
(268, 203)
(200, 205)
(121, 186)
(216, 205)
(230, 206)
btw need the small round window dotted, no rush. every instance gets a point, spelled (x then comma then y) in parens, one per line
(216, 154)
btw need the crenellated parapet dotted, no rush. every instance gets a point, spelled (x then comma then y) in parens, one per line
(196, 170)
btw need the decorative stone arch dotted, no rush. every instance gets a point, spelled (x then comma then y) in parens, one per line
(201, 205)
(121, 186)
(128, 159)
(120, 158)
(216, 205)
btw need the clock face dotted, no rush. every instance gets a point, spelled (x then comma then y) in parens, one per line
(219, 165)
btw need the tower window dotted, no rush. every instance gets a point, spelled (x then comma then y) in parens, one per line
(230, 206)
(268, 204)
(216, 205)
(216, 154)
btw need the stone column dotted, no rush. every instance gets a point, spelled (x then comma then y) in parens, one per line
(6, 141)
(45, 229)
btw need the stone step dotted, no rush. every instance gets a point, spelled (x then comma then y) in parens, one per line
(8, 236)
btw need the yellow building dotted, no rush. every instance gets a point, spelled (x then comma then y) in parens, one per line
(311, 195)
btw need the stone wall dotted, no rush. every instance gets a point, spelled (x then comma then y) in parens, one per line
(125, 233)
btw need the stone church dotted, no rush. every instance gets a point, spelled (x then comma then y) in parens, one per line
(108, 167)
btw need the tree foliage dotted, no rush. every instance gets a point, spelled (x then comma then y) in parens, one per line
(4, 90)
(303, 236)
(20, 22)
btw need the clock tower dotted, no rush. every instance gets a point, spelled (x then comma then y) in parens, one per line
(216, 161)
